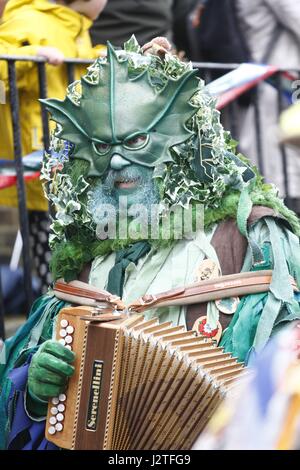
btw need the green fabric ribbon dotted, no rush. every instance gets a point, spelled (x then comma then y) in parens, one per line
(281, 290)
(239, 336)
(124, 257)
(244, 210)
(260, 316)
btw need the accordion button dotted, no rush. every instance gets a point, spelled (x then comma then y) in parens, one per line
(62, 397)
(54, 410)
(61, 407)
(64, 323)
(70, 329)
(60, 417)
(62, 341)
(51, 430)
(68, 347)
(59, 427)
(52, 420)
(63, 333)
(55, 401)
(68, 339)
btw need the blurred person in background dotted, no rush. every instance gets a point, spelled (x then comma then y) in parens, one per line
(272, 32)
(53, 30)
(143, 18)
(181, 24)
(290, 125)
(271, 419)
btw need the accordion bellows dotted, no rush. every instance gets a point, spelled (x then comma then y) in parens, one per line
(137, 384)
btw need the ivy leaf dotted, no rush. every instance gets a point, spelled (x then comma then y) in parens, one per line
(132, 45)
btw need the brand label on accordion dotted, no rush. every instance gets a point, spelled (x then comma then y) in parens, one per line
(95, 389)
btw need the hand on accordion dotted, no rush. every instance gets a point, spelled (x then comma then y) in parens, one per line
(48, 374)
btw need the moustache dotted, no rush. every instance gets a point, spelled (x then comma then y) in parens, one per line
(127, 177)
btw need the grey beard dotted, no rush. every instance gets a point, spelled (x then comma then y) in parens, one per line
(105, 193)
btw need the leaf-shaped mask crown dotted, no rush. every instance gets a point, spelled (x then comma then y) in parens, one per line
(116, 107)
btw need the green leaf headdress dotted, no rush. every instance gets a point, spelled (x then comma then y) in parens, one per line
(115, 113)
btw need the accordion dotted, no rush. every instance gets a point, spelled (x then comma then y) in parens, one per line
(138, 384)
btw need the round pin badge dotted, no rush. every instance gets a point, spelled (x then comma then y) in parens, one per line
(208, 269)
(228, 306)
(204, 329)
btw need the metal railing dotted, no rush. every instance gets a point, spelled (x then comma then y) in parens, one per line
(205, 71)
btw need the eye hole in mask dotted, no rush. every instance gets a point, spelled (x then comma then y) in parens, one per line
(137, 142)
(101, 148)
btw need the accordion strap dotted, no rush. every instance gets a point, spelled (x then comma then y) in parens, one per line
(234, 285)
(84, 294)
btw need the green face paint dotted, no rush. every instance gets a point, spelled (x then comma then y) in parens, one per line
(109, 112)
(134, 184)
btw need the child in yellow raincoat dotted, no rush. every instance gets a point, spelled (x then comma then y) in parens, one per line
(53, 30)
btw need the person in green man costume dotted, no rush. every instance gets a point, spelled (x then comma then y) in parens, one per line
(141, 127)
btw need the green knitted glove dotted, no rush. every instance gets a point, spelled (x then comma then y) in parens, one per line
(48, 375)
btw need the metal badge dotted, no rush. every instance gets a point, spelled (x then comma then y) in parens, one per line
(228, 306)
(204, 329)
(208, 269)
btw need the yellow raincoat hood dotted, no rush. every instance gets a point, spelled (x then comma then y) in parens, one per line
(63, 13)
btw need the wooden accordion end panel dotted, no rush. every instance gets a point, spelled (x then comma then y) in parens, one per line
(137, 384)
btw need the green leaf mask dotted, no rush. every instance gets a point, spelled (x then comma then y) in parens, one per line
(115, 113)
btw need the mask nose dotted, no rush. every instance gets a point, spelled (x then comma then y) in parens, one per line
(118, 163)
